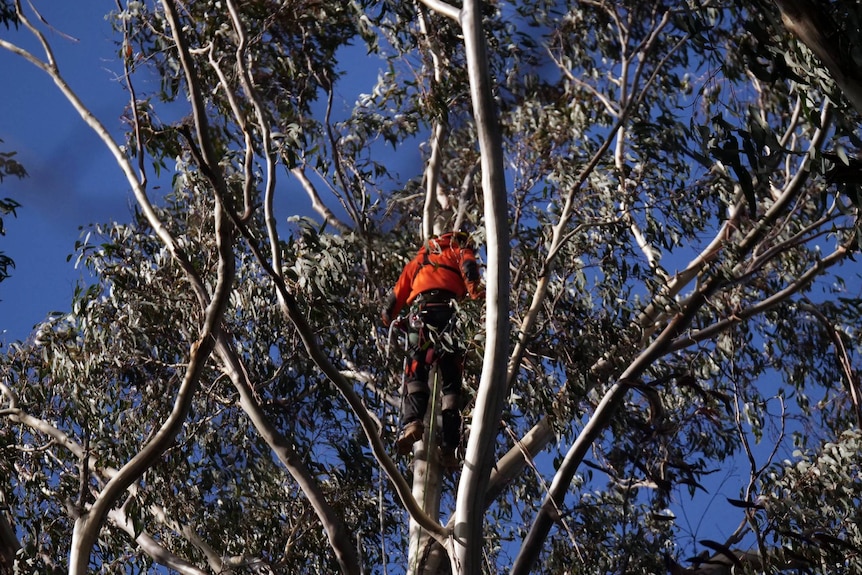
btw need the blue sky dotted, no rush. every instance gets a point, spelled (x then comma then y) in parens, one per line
(72, 179)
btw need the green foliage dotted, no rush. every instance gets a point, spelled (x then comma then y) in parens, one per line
(8, 167)
(8, 15)
(810, 512)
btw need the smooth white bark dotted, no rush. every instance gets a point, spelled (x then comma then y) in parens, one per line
(485, 425)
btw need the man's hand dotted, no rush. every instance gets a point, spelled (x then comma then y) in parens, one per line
(476, 290)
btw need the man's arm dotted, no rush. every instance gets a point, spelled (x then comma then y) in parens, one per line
(397, 298)
(470, 272)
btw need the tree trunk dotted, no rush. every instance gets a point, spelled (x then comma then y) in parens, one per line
(427, 490)
(470, 504)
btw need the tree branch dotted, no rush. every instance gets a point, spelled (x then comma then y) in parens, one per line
(153, 548)
(316, 203)
(843, 357)
(709, 332)
(808, 22)
(433, 193)
(339, 539)
(444, 9)
(541, 433)
(88, 525)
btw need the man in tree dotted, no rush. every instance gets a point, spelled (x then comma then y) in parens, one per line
(443, 271)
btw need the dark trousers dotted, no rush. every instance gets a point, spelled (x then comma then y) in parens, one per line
(432, 340)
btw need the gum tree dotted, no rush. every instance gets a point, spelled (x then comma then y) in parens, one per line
(665, 198)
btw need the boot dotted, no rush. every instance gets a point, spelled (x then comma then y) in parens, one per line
(410, 434)
(451, 432)
(450, 439)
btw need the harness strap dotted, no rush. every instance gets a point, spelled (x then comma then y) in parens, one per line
(450, 402)
(426, 261)
(414, 386)
(435, 298)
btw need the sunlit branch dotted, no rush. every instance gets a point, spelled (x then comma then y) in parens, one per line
(57, 436)
(605, 101)
(528, 457)
(788, 142)
(750, 242)
(559, 235)
(791, 126)
(649, 251)
(493, 384)
(758, 261)
(843, 356)
(138, 189)
(339, 540)
(513, 462)
(602, 414)
(226, 221)
(369, 380)
(159, 553)
(214, 559)
(18, 415)
(623, 38)
(467, 189)
(779, 297)
(84, 471)
(87, 526)
(432, 177)
(346, 196)
(792, 188)
(262, 120)
(368, 423)
(645, 47)
(316, 203)
(541, 434)
(443, 9)
(433, 193)
(248, 163)
(661, 345)
(806, 234)
(133, 102)
(50, 65)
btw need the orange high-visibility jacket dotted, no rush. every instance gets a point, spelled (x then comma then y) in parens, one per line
(447, 263)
